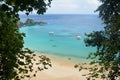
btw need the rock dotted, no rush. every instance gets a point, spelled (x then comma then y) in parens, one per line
(54, 46)
(30, 22)
(20, 24)
(69, 58)
(42, 23)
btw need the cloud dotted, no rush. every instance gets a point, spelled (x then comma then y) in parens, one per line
(73, 6)
(60, 6)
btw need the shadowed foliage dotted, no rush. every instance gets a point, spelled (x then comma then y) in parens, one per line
(106, 60)
(15, 60)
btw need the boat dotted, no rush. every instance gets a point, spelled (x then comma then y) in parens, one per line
(51, 33)
(78, 37)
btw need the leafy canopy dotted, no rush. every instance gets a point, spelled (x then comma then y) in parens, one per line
(15, 60)
(106, 60)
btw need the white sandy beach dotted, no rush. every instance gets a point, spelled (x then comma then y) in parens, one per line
(62, 69)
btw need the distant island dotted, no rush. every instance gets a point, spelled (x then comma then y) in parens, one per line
(30, 22)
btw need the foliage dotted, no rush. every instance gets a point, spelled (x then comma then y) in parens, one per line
(106, 59)
(14, 59)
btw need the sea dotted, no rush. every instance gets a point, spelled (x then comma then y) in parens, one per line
(63, 35)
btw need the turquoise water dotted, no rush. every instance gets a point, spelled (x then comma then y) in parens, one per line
(66, 28)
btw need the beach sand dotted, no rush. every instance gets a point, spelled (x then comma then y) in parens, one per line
(62, 69)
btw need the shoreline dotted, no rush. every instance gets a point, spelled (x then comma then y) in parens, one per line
(73, 59)
(62, 69)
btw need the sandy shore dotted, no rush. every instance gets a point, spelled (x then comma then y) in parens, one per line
(62, 69)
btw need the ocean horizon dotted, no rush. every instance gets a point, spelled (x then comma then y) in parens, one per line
(66, 29)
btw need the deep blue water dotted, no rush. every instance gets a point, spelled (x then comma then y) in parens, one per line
(66, 28)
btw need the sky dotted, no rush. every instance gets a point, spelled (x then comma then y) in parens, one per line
(73, 7)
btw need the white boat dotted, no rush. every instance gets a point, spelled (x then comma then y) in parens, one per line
(78, 37)
(51, 33)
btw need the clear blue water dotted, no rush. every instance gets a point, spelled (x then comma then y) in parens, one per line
(65, 28)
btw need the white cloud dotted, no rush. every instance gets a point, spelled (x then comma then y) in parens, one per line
(73, 6)
(60, 6)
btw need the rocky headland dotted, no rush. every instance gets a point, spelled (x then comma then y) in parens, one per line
(30, 22)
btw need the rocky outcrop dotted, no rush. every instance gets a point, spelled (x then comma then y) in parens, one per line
(41, 23)
(30, 22)
(20, 24)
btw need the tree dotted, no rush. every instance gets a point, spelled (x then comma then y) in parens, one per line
(106, 59)
(14, 58)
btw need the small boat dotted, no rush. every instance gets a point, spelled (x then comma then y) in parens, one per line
(51, 33)
(78, 37)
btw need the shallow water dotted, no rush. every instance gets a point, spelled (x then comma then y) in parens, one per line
(65, 28)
